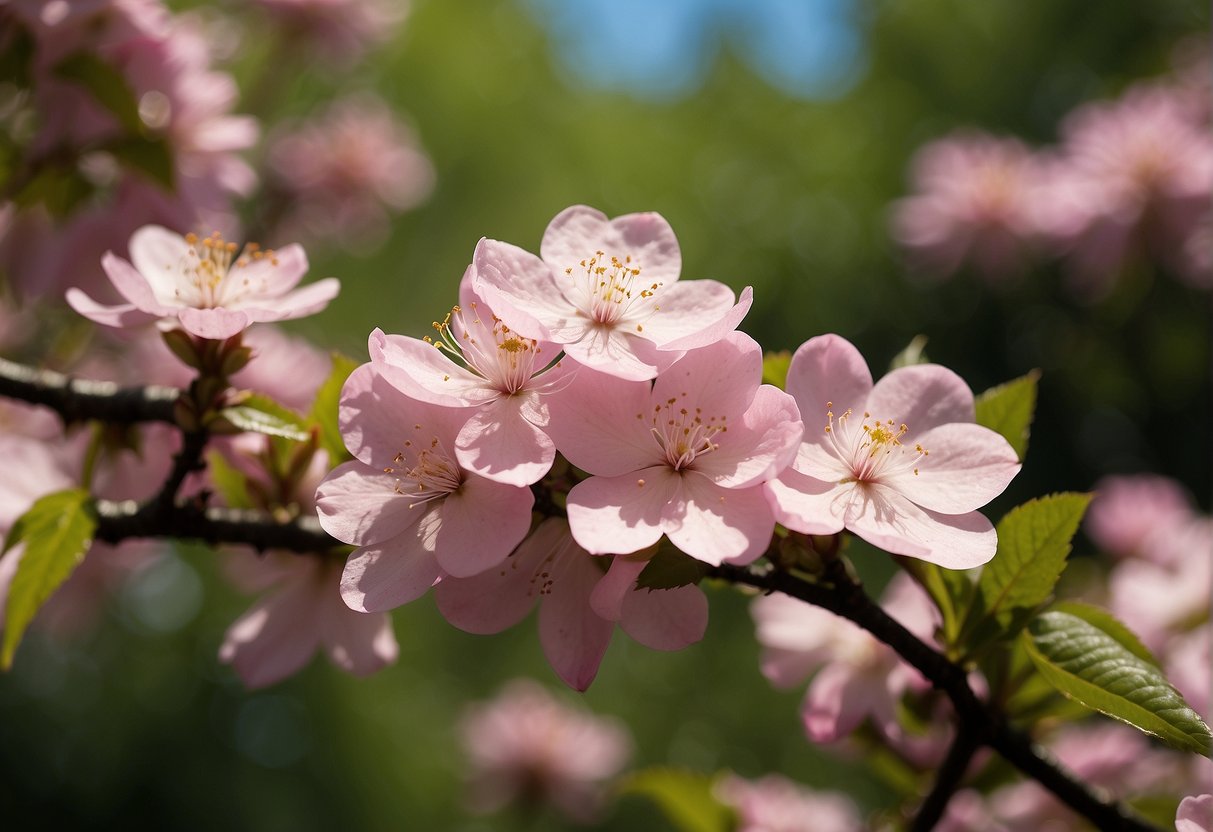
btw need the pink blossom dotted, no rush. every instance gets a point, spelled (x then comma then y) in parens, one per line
(1189, 666)
(1135, 171)
(345, 171)
(526, 746)
(1195, 814)
(607, 291)
(304, 612)
(288, 369)
(975, 201)
(342, 29)
(683, 457)
(580, 602)
(899, 463)
(203, 284)
(1128, 510)
(857, 676)
(405, 501)
(500, 374)
(776, 804)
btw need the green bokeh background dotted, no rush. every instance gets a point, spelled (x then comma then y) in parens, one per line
(137, 726)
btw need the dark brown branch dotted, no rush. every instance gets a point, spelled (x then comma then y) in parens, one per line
(964, 745)
(78, 399)
(987, 727)
(118, 521)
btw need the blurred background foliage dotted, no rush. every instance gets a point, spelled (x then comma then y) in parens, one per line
(775, 174)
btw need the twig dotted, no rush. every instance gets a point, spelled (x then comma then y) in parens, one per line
(79, 399)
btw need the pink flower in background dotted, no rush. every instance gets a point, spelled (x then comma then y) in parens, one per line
(580, 602)
(346, 171)
(1128, 510)
(774, 803)
(301, 613)
(975, 202)
(857, 676)
(343, 29)
(607, 291)
(205, 284)
(527, 747)
(289, 370)
(1195, 814)
(1189, 666)
(683, 457)
(405, 501)
(1135, 171)
(502, 377)
(899, 463)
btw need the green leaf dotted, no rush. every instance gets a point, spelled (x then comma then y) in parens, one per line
(686, 797)
(950, 589)
(1094, 668)
(914, 353)
(1104, 620)
(323, 414)
(228, 481)
(106, 84)
(56, 531)
(151, 157)
(261, 414)
(1033, 544)
(1008, 409)
(671, 568)
(775, 368)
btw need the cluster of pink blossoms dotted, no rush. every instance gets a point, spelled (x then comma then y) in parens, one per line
(1131, 177)
(595, 350)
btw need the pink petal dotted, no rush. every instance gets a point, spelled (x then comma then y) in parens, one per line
(837, 701)
(827, 372)
(619, 580)
(158, 255)
(214, 324)
(886, 519)
(594, 422)
(721, 378)
(275, 638)
(796, 638)
(696, 313)
(573, 638)
(717, 524)
(297, 304)
(966, 467)
(272, 275)
(387, 575)
(758, 447)
(122, 315)
(480, 524)
(522, 290)
(921, 397)
(624, 514)
(1195, 814)
(618, 353)
(377, 419)
(576, 233)
(423, 372)
(806, 504)
(665, 619)
(499, 598)
(500, 444)
(134, 285)
(358, 642)
(359, 504)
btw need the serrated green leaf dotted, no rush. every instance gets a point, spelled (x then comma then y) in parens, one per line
(1094, 668)
(323, 414)
(1008, 409)
(914, 353)
(151, 157)
(670, 568)
(686, 798)
(261, 414)
(1104, 620)
(775, 368)
(1033, 544)
(228, 481)
(56, 531)
(106, 84)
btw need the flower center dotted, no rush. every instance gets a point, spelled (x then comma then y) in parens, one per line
(211, 274)
(683, 434)
(488, 348)
(871, 451)
(611, 290)
(424, 470)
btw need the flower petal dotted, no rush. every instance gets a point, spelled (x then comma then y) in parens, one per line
(758, 447)
(696, 313)
(522, 290)
(577, 232)
(357, 642)
(498, 443)
(621, 515)
(922, 397)
(615, 352)
(619, 580)
(885, 518)
(389, 574)
(479, 525)
(158, 255)
(598, 422)
(423, 372)
(967, 466)
(273, 274)
(573, 638)
(275, 638)
(214, 324)
(806, 504)
(665, 619)
(716, 524)
(135, 286)
(297, 304)
(359, 504)
(721, 378)
(122, 315)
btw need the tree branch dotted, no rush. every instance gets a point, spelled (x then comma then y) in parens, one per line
(964, 745)
(988, 727)
(79, 399)
(122, 520)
